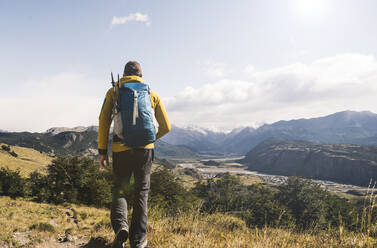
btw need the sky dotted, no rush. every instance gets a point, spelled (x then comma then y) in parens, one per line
(216, 64)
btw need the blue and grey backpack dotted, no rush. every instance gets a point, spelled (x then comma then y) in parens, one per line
(134, 120)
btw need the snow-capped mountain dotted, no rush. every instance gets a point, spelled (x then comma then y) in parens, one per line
(196, 138)
(346, 127)
(57, 130)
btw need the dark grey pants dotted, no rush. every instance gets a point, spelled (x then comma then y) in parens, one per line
(137, 162)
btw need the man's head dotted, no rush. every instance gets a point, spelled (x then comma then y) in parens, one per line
(132, 68)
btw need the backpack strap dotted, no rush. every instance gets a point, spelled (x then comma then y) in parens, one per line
(136, 108)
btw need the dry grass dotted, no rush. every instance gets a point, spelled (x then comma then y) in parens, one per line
(28, 159)
(28, 224)
(220, 230)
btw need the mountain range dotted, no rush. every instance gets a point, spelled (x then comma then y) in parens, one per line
(79, 140)
(62, 143)
(347, 127)
(57, 130)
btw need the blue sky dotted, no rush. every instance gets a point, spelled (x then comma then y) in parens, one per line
(218, 64)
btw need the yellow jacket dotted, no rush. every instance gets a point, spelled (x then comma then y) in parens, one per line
(105, 119)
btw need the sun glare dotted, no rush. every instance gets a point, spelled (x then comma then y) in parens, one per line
(311, 8)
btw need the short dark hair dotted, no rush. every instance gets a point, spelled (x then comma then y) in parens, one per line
(132, 68)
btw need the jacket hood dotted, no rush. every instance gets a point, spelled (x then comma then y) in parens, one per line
(127, 79)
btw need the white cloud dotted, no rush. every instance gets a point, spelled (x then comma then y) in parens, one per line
(65, 99)
(214, 69)
(249, 69)
(325, 86)
(347, 81)
(137, 17)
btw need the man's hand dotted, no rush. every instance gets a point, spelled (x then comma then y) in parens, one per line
(104, 162)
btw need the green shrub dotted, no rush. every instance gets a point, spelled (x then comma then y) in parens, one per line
(298, 203)
(74, 180)
(312, 206)
(5, 148)
(256, 204)
(168, 194)
(83, 215)
(43, 227)
(11, 183)
(261, 208)
(12, 153)
(219, 195)
(39, 186)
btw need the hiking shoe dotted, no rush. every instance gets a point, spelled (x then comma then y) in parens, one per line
(120, 238)
(143, 244)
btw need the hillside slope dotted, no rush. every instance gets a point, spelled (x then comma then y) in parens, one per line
(28, 160)
(63, 143)
(29, 224)
(79, 143)
(351, 164)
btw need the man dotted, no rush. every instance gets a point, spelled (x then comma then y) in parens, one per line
(127, 161)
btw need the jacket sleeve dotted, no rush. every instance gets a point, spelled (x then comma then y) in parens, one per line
(161, 117)
(105, 122)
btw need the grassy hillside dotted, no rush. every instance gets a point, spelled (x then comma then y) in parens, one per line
(29, 224)
(80, 143)
(27, 160)
(64, 143)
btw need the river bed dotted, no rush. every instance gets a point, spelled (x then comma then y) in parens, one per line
(214, 171)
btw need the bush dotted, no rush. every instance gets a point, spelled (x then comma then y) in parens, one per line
(312, 206)
(39, 187)
(256, 204)
(168, 194)
(75, 180)
(219, 195)
(11, 183)
(5, 148)
(298, 203)
(261, 208)
(78, 180)
(12, 153)
(43, 227)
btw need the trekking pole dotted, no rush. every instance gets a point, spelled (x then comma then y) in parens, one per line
(112, 82)
(115, 107)
(117, 101)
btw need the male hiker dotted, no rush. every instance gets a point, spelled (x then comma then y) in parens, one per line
(135, 109)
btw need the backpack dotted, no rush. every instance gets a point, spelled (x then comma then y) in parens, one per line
(134, 120)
